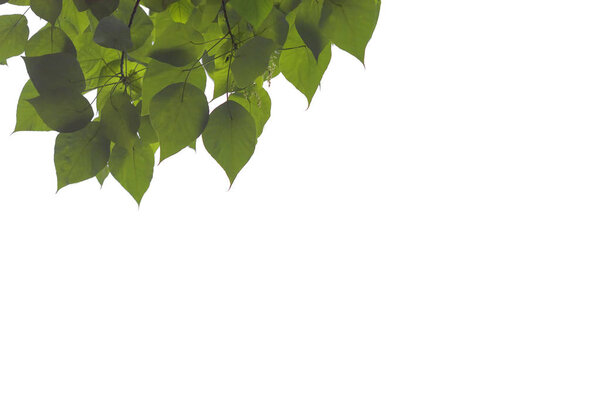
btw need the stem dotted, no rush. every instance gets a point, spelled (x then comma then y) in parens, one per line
(228, 25)
(123, 54)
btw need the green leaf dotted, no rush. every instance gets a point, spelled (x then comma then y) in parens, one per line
(27, 118)
(147, 132)
(252, 60)
(55, 71)
(47, 9)
(120, 120)
(102, 8)
(141, 27)
(102, 175)
(71, 21)
(175, 45)
(49, 40)
(287, 6)
(181, 10)
(349, 24)
(113, 33)
(158, 5)
(275, 27)
(179, 114)
(299, 66)
(80, 155)
(81, 5)
(254, 11)
(258, 103)
(133, 168)
(308, 15)
(63, 110)
(204, 15)
(13, 36)
(230, 137)
(160, 75)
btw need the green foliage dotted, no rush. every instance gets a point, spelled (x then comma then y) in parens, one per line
(121, 79)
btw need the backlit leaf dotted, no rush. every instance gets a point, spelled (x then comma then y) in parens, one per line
(254, 11)
(349, 24)
(179, 114)
(133, 168)
(13, 36)
(230, 137)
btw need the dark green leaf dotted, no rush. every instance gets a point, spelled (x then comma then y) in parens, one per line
(55, 71)
(142, 25)
(120, 120)
(113, 33)
(308, 15)
(47, 9)
(63, 110)
(80, 155)
(102, 8)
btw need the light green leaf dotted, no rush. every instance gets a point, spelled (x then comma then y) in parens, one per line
(179, 114)
(159, 75)
(157, 5)
(133, 168)
(80, 155)
(308, 15)
(49, 40)
(252, 60)
(349, 24)
(275, 27)
(102, 175)
(254, 11)
(230, 137)
(13, 36)
(47, 9)
(204, 15)
(63, 110)
(299, 66)
(175, 45)
(181, 10)
(147, 132)
(27, 118)
(258, 103)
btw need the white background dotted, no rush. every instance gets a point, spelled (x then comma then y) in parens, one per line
(428, 229)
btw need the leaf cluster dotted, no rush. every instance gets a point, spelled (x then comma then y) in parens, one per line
(122, 79)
